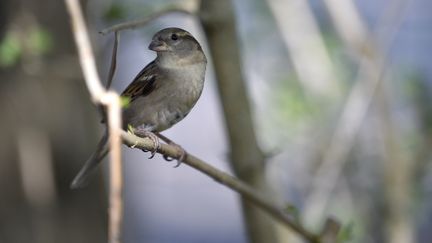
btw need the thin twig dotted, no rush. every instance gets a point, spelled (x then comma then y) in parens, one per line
(113, 65)
(111, 100)
(140, 22)
(233, 183)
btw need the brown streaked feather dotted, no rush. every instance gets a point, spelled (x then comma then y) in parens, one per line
(143, 84)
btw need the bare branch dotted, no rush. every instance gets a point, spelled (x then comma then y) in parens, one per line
(141, 22)
(116, 170)
(87, 60)
(113, 60)
(233, 183)
(111, 100)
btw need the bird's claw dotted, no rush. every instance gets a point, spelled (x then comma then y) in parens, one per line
(156, 145)
(151, 136)
(180, 158)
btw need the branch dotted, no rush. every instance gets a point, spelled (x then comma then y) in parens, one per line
(246, 156)
(141, 22)
(116, 170)
(112, 102)
(233, 183)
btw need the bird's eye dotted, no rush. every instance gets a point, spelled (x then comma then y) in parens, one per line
(174, 37)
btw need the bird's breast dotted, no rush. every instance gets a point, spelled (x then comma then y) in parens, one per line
(188, 83)
(184, 92)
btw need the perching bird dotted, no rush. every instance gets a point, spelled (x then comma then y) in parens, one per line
(162, 94)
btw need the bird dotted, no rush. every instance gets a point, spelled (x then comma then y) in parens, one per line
(162, 93)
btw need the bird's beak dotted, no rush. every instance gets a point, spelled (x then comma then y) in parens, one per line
(158, 45)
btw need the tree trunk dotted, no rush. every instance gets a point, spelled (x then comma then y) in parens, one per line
(246, 157)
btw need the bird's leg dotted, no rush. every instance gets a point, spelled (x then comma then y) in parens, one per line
(181, 151)
(142, 132)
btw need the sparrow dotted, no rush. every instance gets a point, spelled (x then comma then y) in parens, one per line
(161, 95)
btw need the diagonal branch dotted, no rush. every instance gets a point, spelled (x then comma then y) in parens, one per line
(111, 99)
(224, 178)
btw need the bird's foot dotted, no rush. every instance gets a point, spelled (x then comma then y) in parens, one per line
(182, 154)
(145, 133)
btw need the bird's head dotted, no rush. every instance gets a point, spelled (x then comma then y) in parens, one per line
(172, 40)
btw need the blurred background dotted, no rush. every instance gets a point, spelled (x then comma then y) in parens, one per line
(325, 105)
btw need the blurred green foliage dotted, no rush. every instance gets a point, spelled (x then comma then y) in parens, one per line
(10, 51)
(40, 42)
(37, 42)
(346, 233)
(291, 101)
(296, 106)
(294, 212)
(115, 11)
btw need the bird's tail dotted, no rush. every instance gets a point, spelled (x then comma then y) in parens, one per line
(81, 178)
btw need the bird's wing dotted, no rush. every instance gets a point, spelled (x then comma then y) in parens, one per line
(143, 84)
